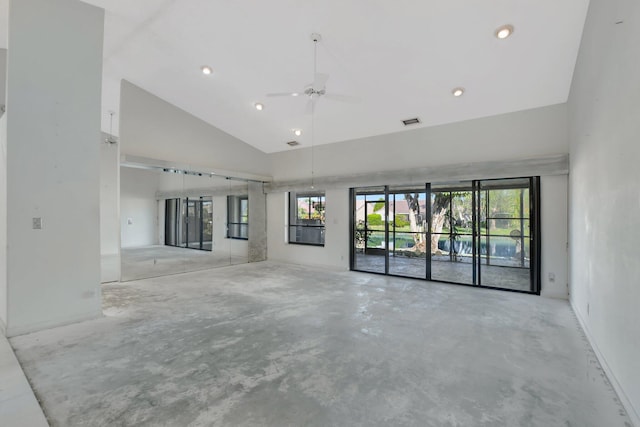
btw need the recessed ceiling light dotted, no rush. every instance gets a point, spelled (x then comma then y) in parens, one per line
(413, 121)
(295, 94)
(504, 31)
(459, 91)
(259, 106)
(206, 70)
(293, 143)
(297, 132)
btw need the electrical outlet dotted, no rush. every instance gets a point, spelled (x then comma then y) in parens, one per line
(36, 223)
(552, 277)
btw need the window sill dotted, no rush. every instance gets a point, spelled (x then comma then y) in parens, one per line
(307, 244)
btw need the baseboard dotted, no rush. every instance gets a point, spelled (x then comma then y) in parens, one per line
(35, 327)
(628, 406)
(330, 267)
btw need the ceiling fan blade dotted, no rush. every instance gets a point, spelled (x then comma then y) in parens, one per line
(320, 80)
(271, 95)
(342, 98)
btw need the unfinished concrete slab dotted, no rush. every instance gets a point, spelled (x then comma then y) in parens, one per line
(496, 276)
(273, 344)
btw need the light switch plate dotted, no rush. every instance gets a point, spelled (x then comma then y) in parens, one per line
(36, 223)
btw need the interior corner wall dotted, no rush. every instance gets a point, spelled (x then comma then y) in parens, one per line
(53, 163)
(153, 128)
(139, 207)
(3, 194)
(604, 107)
(3, 224)
(554, 265)
(3, 76)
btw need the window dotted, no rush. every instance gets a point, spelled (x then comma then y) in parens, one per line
(237, 217)
(306, 218)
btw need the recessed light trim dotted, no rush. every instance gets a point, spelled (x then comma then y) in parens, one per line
(259, 106)
(206, 70)
(297, 132)
(504, 32)
(457, 92)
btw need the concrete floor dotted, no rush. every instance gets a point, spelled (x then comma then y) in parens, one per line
(282, 345)
(497, 276)
(159, 260)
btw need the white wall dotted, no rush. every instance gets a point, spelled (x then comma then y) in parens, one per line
(521, 135)
(109, 211)
(3, 76)
(604, 107)
(3, 224)
(153, 128)
(3, 194)
(53, 163)
(553, 218)
(527, 134)
(138, 203)
(334, 254)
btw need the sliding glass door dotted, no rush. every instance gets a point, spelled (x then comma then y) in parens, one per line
(476, 233)
(370, 231)
(505, 233)
(408, 239)
(452, 234)
(189, 224)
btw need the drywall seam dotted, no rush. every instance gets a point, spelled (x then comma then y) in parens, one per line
(626, 402)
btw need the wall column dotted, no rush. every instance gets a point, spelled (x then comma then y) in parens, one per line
(53, 163)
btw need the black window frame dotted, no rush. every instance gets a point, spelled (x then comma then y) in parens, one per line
(307, 228)
(235, 219)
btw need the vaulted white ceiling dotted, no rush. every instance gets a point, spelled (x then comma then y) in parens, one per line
(401, 59)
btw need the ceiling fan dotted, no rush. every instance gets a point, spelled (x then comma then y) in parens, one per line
(318, 88)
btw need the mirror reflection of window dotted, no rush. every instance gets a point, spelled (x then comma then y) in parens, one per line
(238, 217)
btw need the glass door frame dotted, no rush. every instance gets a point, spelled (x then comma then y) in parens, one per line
(476, 234)
(181, 225)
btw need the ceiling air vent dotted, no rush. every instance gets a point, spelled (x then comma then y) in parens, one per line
(293, 143)
(413, 121)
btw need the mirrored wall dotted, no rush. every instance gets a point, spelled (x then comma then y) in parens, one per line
(176, 219)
